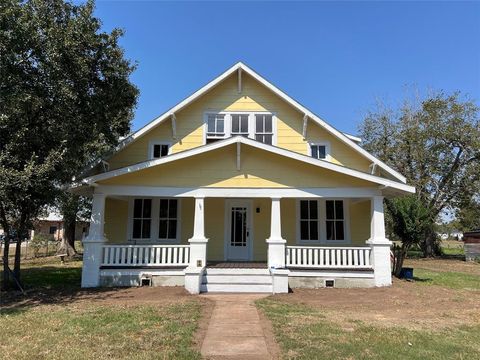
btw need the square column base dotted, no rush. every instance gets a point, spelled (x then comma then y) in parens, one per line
(382, 269)
(193, 279)
(276, 253)
(92, 260)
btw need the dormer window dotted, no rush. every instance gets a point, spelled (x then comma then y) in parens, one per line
(319, 150)
(239, 124)
(159, 150)
(264, 128)
(215, 127)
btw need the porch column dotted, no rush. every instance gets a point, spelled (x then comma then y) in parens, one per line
(380, 245)
(92, 244)
(276, 244)
(198, 249)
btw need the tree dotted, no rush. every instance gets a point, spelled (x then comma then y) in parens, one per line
(412, 222)
(66, 98)
(435, 143)
(468, 214)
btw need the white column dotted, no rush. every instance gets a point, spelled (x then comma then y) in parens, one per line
(379, 244)
(198, 249)
(93, 243)
(276, 244)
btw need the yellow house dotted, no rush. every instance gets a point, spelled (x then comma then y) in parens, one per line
(239, 188)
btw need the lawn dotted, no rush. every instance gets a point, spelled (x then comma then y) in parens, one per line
(437, 316)
(58, 320)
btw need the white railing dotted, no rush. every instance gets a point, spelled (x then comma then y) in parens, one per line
(145, 255)
(328, 257)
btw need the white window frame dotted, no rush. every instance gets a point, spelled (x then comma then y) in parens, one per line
(322, 217)
(320, 143)
(151, 145)
(274, 130)
(228, 123)
(155, 222)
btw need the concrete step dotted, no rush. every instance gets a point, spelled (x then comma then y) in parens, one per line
(237, 279)
(235, 271)
(244, 288)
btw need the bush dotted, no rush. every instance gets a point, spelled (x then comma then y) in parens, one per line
(39, 241)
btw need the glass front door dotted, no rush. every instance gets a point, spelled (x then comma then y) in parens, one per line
(239, 234)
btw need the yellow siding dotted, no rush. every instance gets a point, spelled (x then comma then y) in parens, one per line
(217, 168)
(289, 221)
(116, 218)
(215, 228)
(360, 222)
(254, 97)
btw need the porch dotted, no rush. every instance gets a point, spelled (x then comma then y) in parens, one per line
(244, 244)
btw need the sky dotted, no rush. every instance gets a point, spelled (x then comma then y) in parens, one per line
(335, 58)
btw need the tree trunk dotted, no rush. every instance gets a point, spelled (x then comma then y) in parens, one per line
(400, 254)
(67, 245)
(6, 269)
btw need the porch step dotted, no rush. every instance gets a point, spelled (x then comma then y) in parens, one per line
(236, 280)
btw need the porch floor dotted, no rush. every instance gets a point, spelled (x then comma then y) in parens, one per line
(237, 265)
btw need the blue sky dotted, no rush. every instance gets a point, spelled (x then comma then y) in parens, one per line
(336, 58)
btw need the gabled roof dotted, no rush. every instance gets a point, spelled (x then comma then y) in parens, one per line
(347, 139)
(256, 144)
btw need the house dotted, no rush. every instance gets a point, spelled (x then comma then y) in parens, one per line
(52, 226)
(239, 188)
(471, 245)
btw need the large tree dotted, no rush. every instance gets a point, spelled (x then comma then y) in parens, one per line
(435, 143)
(65, 97)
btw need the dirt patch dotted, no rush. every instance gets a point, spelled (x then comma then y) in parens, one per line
(404, 304)
(445, 265)
(272, 345)
(207, 310)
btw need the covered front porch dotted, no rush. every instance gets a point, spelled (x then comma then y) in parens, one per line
(240, 237)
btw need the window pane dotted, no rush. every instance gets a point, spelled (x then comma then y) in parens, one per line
(304, 230)
(338, 209)
(164, 150)
(220, 126)
(303, 209)
(259, 138)
(162, 229)
(244, 123)
(258, 123)
(321, 152)
(156, 151)
(211, 124)
(313, 209)
(172, 229)
(267, 139)
(313, 230)
(137, 208)
(330, 213)
(163, 208)
(146, 229)
(235, 124)
(147, 208)
(330, 230)
(137, 229)
(268, 123)
(314, 149)
(339, 230)
(172, 209)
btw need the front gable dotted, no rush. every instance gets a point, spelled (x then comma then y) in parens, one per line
(187, 130)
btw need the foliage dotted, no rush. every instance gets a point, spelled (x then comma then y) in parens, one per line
(38, 242)
(435, 143)
(66, 98)
(469, 214)
(413, 221)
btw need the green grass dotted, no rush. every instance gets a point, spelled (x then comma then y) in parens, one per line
(99, 332)
(304, 333)
(453, 280)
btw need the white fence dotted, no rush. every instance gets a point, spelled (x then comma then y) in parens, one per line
(145, 255)
(328, 257)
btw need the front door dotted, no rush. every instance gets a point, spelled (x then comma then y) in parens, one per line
(238, 230)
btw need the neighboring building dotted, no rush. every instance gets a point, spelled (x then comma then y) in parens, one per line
(52, 226)
(471, 245)
(239, 188)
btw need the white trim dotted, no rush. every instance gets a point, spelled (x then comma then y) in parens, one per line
(206, 192)
(353, 137)
(328, 151)
(273, 149)
(154, 142)
(345, 138)
(227, 226)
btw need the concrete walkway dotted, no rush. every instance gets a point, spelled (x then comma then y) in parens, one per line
(235, 330)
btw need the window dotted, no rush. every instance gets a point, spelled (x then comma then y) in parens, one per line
(264, 128)
(239, 124)
(318, 151)
(52, 230)
(159, 150)
(335, 220)
(167, 227)
(215, 127)
(142, 218)
(309, 220)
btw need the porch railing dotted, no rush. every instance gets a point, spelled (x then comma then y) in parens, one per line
(145, 255)
(328, 257)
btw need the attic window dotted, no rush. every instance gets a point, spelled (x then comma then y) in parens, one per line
(159, 150)
(215, 127)
(319, 150)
